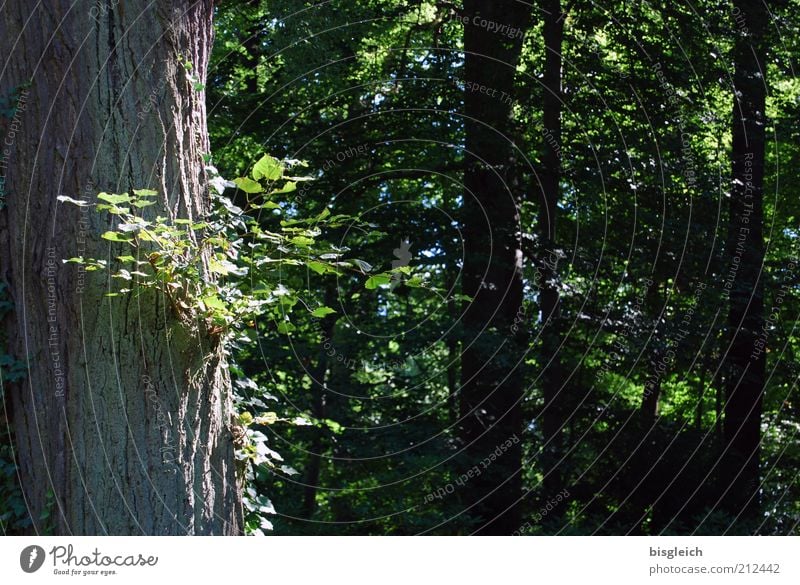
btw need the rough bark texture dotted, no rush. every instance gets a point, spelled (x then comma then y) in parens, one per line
(122, 425)
(491, 377)
(746, 358)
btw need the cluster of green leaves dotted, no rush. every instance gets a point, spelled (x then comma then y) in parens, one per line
(256, 454)
(223, 269)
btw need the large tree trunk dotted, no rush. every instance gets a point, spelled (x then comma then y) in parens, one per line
(491, 378)
(556, 403)
(746, 359)
(123, 423)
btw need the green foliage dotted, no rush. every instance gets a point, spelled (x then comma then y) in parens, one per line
(203, 267)
(375, 88)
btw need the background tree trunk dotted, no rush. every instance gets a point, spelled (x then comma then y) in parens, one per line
(556, 399)
(319, 385)
(123, 421)
(746, 362)
(491, 364)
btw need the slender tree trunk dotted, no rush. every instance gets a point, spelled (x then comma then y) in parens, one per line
(658, 341)
(555, 413)
(453, 353)
(491, 380)
(252, 47)
(746, 361)
(319, 388)
(701, 391)
(719, 397)
(317, 444)
(124, 420)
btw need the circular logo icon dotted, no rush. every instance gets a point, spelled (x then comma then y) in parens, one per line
(31, 558)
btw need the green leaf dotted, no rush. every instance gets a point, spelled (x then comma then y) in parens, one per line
(333, 425)
(222, 267)
(287, 188)
(285, 327)
(287, 302)
(321, 312)
(267, 205)
(114, 199)
(112, 209)
(115, 237)
(248, 185)
(302, 241)
(213, 302)
(145, 192)
(318, 267)
(268, 168)
(268, 418)
(374, 282)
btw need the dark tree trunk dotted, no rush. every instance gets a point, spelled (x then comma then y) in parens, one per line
(556, 400)
(701, 391)
(319, 388)
(491, 380)
(252, 47)
(746, 361)
(123, 422)
(453, 351)
(658, 365)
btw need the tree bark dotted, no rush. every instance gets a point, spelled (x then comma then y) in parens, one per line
(657, 364)
(319, 389)
(746, 360)
(491, 379)
(123, 422)
(556, 406)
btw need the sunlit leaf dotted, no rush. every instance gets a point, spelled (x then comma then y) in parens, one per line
(321, 312)
(374, 282)
(113, 198)
(248, 185)
(115, 237)
(268, 168)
